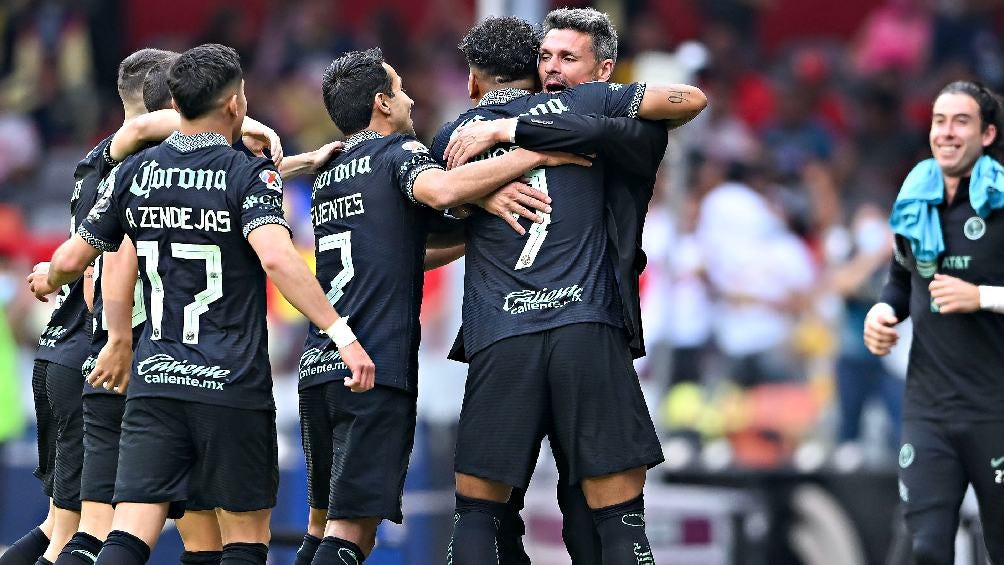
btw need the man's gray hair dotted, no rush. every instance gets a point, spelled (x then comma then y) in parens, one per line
(590, 21)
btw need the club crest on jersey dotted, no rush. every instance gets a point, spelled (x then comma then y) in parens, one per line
(271, 179)
(974, 228)
(414, 147)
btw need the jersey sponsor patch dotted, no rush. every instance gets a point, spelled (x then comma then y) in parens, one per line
(414, 146)
(271, 179)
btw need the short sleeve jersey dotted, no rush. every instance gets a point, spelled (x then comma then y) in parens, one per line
(188, 205)
(370, 235)
(66, 339)
(560, 272)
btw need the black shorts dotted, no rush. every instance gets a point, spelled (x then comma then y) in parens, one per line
(216, 456)
(575, 383)
(102, 428)
(937, 462)
(57, 391)
(357, 447)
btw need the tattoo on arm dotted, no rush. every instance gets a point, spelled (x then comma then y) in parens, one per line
(677, 97)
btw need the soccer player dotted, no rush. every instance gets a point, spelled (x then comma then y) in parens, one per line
(533, 307)
(65, 342)
(207, 222)
(947, 277)
(580, 45)
(371, 209)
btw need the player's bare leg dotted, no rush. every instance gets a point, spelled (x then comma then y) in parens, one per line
(64, 526)
(344, 537)
(245, 535)
(200, 534)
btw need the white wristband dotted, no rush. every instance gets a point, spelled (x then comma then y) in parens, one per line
(340, 332)
(992, 298)
(511, 130)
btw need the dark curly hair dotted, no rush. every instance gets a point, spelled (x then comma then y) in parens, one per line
(199, 76)
(350, 82)
(503, 47)
(592, 22)
(991, 111)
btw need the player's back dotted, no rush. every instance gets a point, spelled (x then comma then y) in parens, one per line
(559, 272)
(370, 245)
(188, 204)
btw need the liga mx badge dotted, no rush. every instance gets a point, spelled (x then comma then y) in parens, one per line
(974, 228)
(271, 179)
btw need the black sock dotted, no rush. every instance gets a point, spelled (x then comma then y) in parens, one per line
(622, 533)
(476, 526)
(250, 553)
(577, 528)
(305, 554)
(201, 557)
(511, 530)
(82, 549)
(43, 561)
(123, 548)
(338, 551)
(26, 550)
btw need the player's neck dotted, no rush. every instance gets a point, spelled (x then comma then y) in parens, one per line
(383, 127)
(209, 124)
(487, 86)
(132, 111)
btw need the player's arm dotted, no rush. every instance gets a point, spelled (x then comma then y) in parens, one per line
(441, 189)
(286, 268)
(309, 162)
(89, 288)
(157, 126)
(631, 142)
(68, 263)
(880, 333)
(437, 257)
(119, 270)
(674, 104)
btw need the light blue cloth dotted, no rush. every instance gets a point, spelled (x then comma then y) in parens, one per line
(915, 213)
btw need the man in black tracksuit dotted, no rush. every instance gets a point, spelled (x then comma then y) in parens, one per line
(953, 422)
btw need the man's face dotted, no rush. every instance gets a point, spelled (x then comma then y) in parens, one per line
(956, 139)
(400, 104)
(567, 59)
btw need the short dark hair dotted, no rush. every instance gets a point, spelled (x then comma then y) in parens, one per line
(350, 82)
(156, 94)
(200, 75)
(590, 21)
(503, 47)
(991, 111)
(133, 70)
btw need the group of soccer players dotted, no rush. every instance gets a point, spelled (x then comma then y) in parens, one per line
(545, 192)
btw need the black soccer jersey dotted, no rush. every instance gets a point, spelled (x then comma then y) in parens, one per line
(188, 205)
(370, 243)
(634, 150)
(955, 365)
(560, 272)
(66, 339)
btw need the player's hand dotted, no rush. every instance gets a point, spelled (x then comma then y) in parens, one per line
(953, 295)
(359, 362)
(880, 333)
(558, 158)
(38, 282)
(475, 138)
(113, 367)
(514, 200)
(257, 136)
(323, 154)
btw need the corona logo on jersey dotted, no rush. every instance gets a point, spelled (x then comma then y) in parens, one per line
(151, 177)
(271, 179)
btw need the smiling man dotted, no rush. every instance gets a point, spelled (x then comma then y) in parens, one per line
(949, 236)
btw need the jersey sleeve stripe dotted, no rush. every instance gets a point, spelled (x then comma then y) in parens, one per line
(639, 93)
(414, 170)
(264, 221)
(95, 241)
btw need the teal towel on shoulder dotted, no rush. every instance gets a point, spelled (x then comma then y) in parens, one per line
(915, 213)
